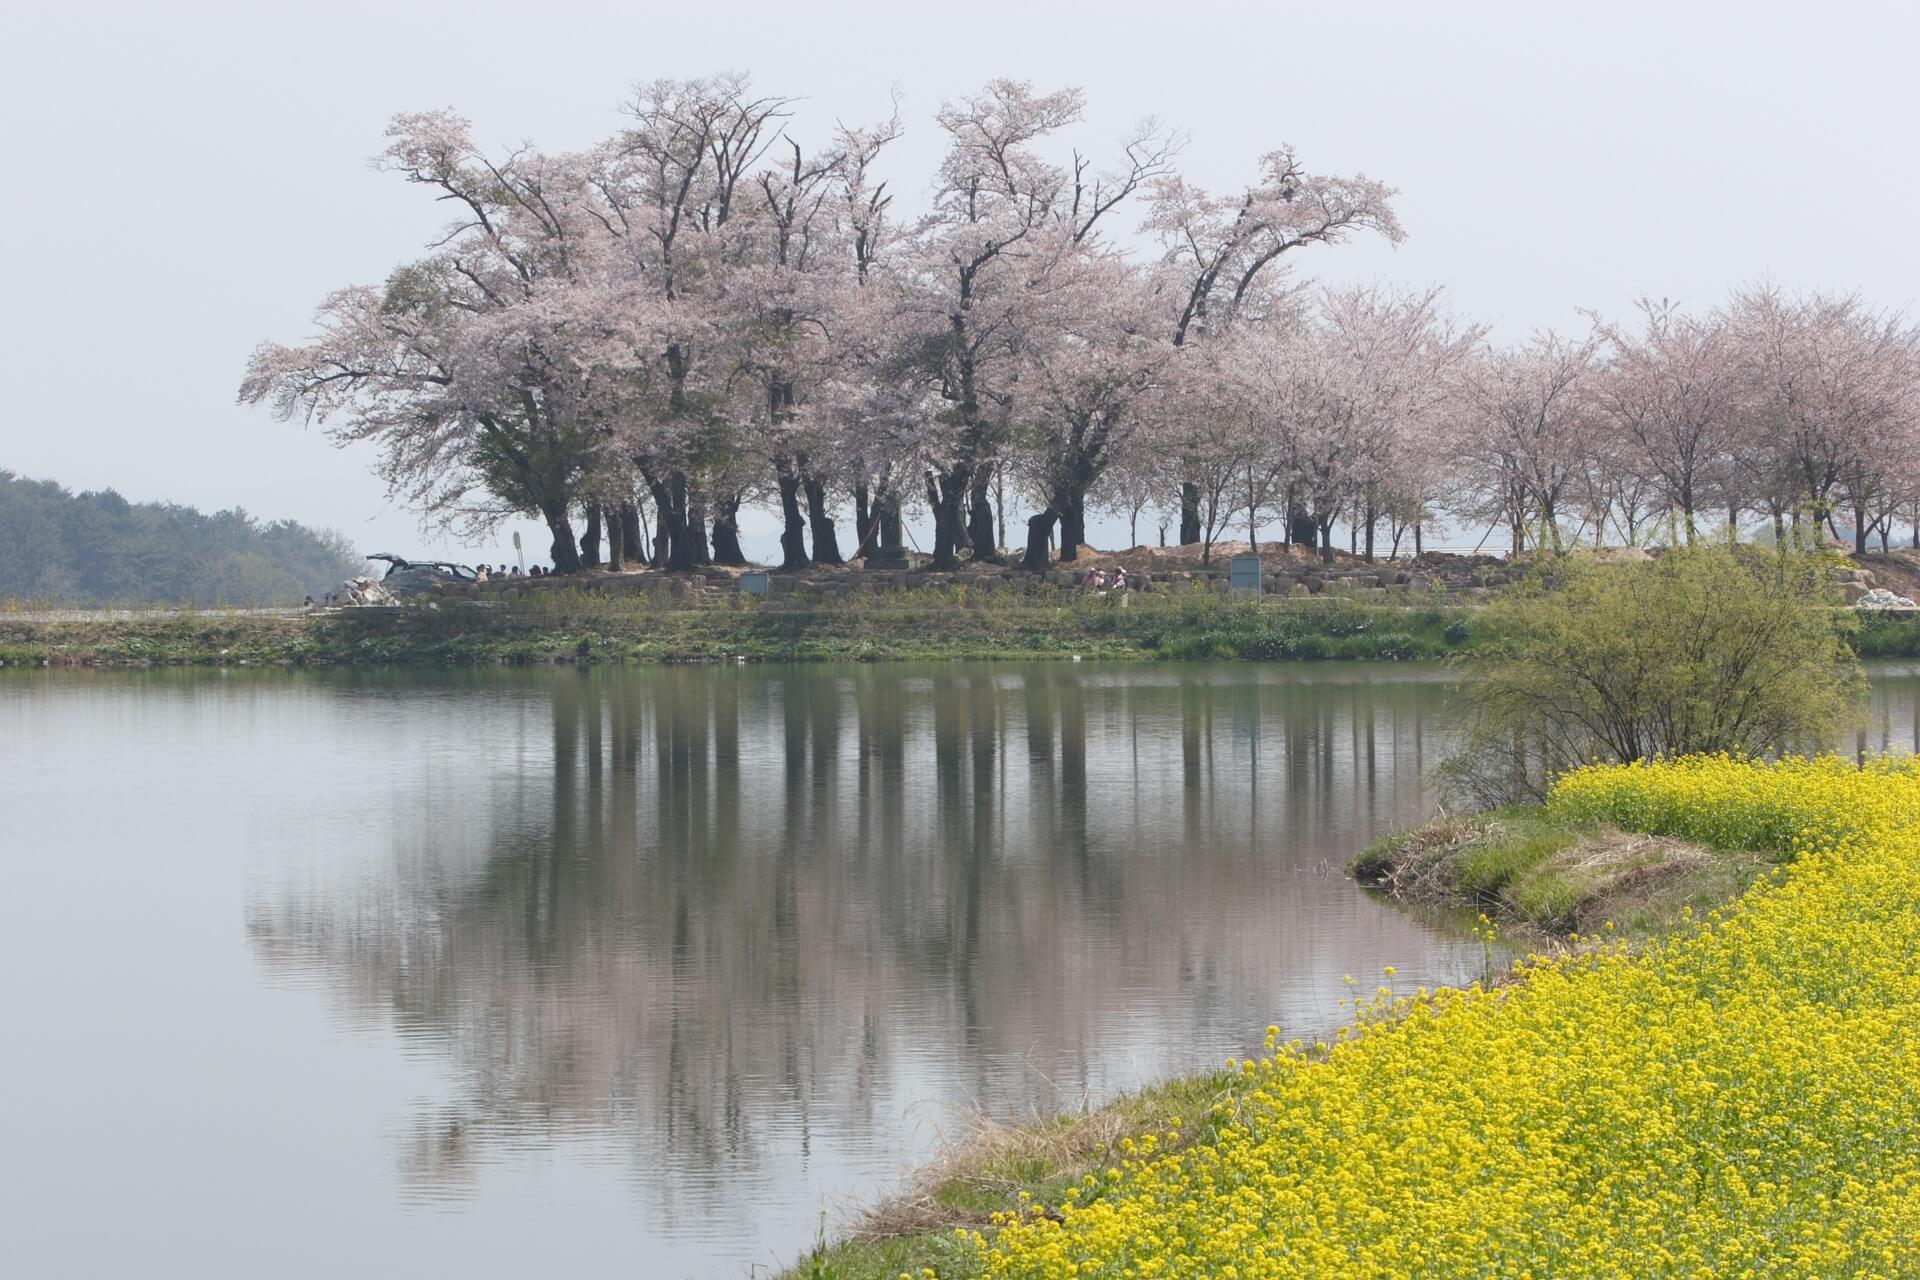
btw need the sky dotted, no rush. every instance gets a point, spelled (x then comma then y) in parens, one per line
(189, 179)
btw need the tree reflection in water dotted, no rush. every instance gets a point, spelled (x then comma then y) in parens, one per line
(762, 933)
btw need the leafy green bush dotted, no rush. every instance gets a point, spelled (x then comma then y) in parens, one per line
(1887, 636)
(1703, 650)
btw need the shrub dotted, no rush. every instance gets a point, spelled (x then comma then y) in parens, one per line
(1703, 650)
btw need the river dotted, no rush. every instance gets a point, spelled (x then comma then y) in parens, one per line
(641, 972)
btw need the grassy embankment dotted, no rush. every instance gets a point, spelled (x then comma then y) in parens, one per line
(1466, 1132)
(1886, 635)
(572, 626)
(1545, 876)
(925, 623)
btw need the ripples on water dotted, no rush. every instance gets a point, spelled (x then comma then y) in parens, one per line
(635, 972)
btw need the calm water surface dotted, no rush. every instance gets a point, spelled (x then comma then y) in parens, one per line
(637, 973)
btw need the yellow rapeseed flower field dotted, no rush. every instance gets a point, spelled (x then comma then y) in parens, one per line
(1742, 1100)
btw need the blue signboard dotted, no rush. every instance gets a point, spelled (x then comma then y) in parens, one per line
(1244, 573)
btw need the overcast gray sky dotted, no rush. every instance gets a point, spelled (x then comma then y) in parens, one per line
(190, 178)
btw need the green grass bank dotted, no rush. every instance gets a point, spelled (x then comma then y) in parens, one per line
(1532, 875)
(584, 626)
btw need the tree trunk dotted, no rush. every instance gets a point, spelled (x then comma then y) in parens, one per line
(1371, 519)
(1323, 530)
(1253, 515)
(696, 526)
(673, 543)
(1189, 513)
(726, 531)
(826, 542)
(616, 542)
(590, 538)
(1039, 534)
(980, 530)
(1000, 507)
(566, 552)
(862, 520)
(945, 492)
(1417, 550)
(630, 535)
(793, 541)
(892, 533)
(1302, 529)
(1070, 508)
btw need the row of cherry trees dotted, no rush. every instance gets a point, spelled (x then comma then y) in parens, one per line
(700, 313)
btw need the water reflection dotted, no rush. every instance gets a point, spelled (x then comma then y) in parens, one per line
(635, 971)
(1892, 723)
(774, 928)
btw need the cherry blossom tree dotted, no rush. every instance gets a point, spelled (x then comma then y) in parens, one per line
(1137, 479)
(1219, 253)
(1668, 393)
(1090, 365)
(1341, 400)
(1525, 422)
(463, 370)
(963, 291)
(672, 188)
(1828, 400)
(700, 315)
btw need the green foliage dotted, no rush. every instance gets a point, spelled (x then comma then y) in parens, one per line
(999, 1170)
(1486, 869)
(561, 624)
(1705, 649)
(98, 548)
(888, 1259)
(1555, 873)
(1199, 625)
(1887, 635)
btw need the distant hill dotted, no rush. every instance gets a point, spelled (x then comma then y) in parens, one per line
(98, 548)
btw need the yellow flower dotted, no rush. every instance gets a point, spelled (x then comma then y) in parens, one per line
(1738, 1100)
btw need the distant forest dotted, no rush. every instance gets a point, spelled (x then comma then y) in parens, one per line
(98, 548)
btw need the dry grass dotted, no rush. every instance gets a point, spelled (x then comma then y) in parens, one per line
(983, 1170)
(1410, 864)
(1549, 880)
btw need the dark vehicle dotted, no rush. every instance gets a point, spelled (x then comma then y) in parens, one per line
(411, 577)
